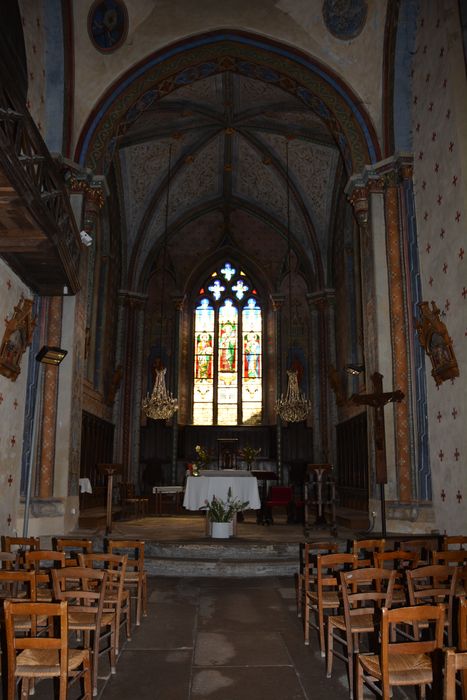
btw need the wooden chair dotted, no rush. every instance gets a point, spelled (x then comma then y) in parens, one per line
(72, 548)
(449, 541)
(117, 597)
(84, 590)
(135, 576)
(306, 575)
(399, 561)
(431, 585)
(8, 560)
(454, 662)
(325, 594)
(37, 657)
(131, 503)
(462, 642)
(20, 545)
(423, 547)
(42, 562)
(365, 549)
(453, 557)
(17, 585)
(401, 663)
(364, 593)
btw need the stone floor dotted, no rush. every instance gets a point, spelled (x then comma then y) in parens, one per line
(220, 639)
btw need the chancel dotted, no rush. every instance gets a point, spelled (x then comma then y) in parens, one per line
(219, 231)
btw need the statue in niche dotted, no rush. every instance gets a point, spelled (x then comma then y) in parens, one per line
(435, 339)
(17, 337)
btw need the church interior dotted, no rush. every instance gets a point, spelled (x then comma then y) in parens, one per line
(257, 209)
(233, 253)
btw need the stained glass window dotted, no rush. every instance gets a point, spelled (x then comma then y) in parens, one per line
(228, 342)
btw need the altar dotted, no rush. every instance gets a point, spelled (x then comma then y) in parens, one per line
(200, 489)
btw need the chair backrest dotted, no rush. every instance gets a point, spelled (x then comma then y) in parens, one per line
(134, 549)
(413, 615)
(365, 592)
(57, 637)
(423, 547)
(8, 560)
(114, 565)
(19, 545)
(328, 568)
(398, 560)
(450, 541)
(453, 557)
(43, 561)
(71, 548)
(14, 584)
(82, 587)
(307, 556)
(365, 549)
(435, 584)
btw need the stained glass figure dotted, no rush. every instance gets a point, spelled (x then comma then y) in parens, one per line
(228, 345)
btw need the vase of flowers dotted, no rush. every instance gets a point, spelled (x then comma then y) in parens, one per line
(222, 512)
(203, 457)
(249, 454)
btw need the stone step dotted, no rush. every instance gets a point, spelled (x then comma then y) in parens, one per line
(237, 568)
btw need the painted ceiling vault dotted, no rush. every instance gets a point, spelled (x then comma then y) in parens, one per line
(228, 136)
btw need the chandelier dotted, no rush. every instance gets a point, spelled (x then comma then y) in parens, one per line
(161, 405)
(292, 406)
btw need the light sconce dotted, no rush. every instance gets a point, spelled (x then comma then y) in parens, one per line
(51, 356)
(354, 370)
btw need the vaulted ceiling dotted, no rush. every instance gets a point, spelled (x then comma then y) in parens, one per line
(229, 135)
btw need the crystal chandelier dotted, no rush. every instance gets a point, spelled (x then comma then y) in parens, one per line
(292, 407)
(161, 405)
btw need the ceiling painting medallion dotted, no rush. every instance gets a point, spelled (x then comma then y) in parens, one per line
(107, 24)
(345, 19)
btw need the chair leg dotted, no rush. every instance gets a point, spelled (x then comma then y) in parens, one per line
(330, 650)
(321, 630)
(145, 596)
(359, 680)
(113, 645)
(139, 596)
(306, 629)
(87, 676)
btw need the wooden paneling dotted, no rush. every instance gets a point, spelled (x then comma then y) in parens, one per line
(352, 462)
(97, 438)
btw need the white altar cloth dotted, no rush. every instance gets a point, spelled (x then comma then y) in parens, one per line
(200, 489)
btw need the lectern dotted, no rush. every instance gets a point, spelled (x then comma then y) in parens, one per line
(109, 470)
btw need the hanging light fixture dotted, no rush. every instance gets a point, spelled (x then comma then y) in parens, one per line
(292, 407)
(161, 405)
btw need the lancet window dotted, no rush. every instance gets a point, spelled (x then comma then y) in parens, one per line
(228, 350)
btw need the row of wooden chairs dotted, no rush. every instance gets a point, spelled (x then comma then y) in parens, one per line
(97, 587)
(323, 583)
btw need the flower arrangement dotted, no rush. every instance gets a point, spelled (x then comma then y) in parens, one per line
(220, 511)
(203, 456)
(249, 454)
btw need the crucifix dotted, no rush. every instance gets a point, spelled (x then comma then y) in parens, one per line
(377, 400)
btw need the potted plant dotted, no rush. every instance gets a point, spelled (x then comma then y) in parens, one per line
(220, 514)
(249, 455)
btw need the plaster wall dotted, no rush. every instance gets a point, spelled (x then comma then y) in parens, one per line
(298, 23)
(12, 403)
(439, 112)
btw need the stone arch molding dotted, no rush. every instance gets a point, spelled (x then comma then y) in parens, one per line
(197, 58)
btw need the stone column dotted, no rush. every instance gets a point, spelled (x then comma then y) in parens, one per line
(277, 304)
(322, 313)
(377, 197)
(129, 420)
(49, 410)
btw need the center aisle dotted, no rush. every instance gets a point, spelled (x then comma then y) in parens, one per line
(222, 639)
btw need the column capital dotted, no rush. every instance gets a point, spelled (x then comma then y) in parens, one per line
(321, 299)
(277, 301)
(131, 299)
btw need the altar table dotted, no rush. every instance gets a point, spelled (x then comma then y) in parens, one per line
(200, 489)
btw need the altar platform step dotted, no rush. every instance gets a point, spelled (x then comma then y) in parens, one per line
(225, 559)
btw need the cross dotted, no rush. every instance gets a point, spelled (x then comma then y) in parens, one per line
(457, 454)
(439, 416)
(10, 480)
(9, 518)
(464, 292)
(454, 413)
(216, 289)
(461, 253)
(13, 441)
(441, 455)
(377, 400)
(443, 495)
(445, 268)
(459, 496)
(458, 216)
(441, 233)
